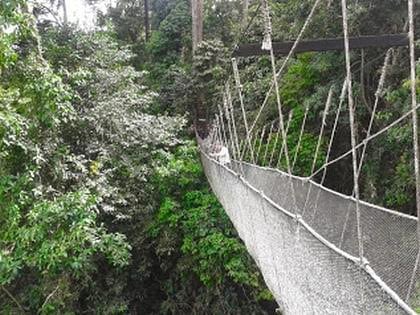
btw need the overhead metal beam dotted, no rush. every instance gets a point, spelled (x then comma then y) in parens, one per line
(328, 44)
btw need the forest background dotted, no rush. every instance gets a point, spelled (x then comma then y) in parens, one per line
(104, 207)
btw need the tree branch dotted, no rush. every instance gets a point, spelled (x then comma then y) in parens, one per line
(13, 299)
(50, 296)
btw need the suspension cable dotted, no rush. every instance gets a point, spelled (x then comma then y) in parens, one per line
(366, 140)
(352, 126)
(375, 106)
(415, 131)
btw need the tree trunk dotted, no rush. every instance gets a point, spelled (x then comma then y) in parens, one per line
(197, 22)
(146, 20)
(200, 119)
(65, 17)
(245, 13)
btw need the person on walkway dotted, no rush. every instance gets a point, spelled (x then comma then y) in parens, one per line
(221, 154)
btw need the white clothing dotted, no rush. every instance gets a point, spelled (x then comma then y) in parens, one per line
(223, 156)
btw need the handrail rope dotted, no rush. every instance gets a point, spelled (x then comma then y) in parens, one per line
(395, 297)
(415, 130)
(373, 136)
(375, 106)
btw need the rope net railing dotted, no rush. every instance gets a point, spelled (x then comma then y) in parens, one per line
(320, 251)
(306, 273)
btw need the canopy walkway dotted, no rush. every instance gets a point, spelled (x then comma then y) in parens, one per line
(320, 252)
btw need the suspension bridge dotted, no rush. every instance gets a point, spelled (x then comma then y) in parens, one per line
(319, 251)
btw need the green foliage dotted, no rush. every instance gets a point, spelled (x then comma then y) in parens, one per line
(398, 193)
(173, 33)
(300, 80)
(50, 230)
(59, 236)
(192, 226)
(127, 16)
(208, 71)
(104, 207)
(299, 89)
(170, 42)
(391, 158)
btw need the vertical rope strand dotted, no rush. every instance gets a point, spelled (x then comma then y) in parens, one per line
(222, 123)
(318, 145)
(274, 146)
(241, 100)
(302, 130)
(282, 145)
(415, 129)
(267, 37)
(266, 9)
(414, 105)
(260, 144)
(232, 141)
(353, 144)
(377, 95)
(413, 277)
(334, 129)
(270, 135)
(352, 126)
(327, 157)
(286, 60)
(230, 106)
(254, 145)
(375, 105)
(218, 128)
(321, 133)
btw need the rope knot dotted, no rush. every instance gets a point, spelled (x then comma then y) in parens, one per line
(267, 43)
(363, 262)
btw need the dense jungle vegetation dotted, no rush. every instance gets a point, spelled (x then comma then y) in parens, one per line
(104, 207)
